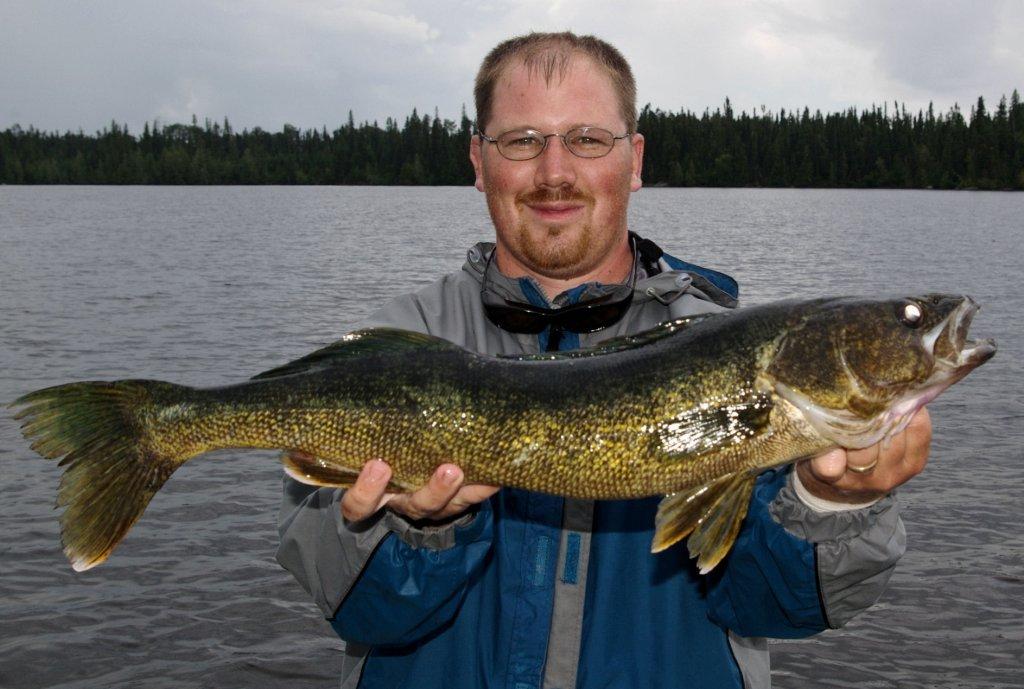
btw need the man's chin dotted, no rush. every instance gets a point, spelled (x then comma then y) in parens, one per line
(558, 251)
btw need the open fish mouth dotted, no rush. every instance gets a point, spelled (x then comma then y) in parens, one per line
(955, 356)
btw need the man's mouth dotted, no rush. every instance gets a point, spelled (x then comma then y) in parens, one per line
(554, 212)
(554, 206)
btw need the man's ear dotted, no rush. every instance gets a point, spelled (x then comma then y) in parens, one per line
(475, 153)
(637, 142)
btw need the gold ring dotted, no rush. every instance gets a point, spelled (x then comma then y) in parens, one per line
(866, 469)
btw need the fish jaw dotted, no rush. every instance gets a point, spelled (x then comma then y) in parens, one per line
(955, 355)
(840, 426)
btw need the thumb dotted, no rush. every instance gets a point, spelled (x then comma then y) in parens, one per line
(830, 466)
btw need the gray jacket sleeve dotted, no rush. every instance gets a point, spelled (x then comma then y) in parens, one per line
(324, 551)
(856, 550)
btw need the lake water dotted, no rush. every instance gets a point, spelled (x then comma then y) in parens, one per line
(206, 286)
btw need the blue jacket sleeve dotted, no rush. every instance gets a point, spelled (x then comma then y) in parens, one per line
(408, 590)
(768, 585)
(794, 572)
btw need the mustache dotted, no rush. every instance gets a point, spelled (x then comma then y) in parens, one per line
(558, 195)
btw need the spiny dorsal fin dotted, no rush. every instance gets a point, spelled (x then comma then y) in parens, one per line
(618, 344)
(359, 343)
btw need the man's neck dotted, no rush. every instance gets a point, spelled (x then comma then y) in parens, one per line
(615, 267)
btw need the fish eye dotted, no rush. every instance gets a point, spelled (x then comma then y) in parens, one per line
(911, 315)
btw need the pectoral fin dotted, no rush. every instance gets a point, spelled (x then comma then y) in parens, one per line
(712, 513)
(706, 428)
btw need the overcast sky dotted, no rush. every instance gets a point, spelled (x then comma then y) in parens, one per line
(67, 64)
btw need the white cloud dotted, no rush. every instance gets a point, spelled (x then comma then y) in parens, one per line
(266, 62)
(366, 18)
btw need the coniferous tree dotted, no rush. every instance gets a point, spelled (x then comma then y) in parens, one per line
(878, 147)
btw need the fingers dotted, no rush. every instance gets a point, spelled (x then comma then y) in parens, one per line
(443, 496)
(431, 500)
(367, 495)
(864, 474)
(919, 441)
(474, 493)
(829, 467)
(865, 461)
(466, 497)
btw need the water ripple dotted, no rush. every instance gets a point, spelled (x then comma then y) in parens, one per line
(206, 286)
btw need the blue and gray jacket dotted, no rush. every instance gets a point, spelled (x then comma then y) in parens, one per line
(533, 591)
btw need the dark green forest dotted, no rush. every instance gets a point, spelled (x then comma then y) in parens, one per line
(881, 147)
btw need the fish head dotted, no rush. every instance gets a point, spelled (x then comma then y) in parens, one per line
(860, 369)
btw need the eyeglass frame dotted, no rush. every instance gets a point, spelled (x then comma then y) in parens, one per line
(494, 140)
(550, 317)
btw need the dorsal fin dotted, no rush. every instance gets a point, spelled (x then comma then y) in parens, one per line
(618, 344)
(358, 343)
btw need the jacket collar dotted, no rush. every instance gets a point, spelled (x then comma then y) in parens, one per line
(665, 286)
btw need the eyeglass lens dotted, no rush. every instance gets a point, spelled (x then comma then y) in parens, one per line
(585, 142)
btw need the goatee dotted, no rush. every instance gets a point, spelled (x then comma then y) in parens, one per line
(557, 251)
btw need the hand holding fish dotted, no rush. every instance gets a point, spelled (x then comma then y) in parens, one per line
(443, 496)
(859, 476)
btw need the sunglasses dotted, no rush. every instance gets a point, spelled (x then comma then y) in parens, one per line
(586, 316)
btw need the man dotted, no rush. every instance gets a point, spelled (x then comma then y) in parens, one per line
(471, 586)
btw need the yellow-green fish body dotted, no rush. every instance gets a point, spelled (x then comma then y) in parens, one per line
(694, 408)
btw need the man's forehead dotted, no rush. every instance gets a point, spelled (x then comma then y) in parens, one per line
(552, 67)
(554, 92)
(583, 81)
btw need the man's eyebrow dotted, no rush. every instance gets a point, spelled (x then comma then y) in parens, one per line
(567, 128)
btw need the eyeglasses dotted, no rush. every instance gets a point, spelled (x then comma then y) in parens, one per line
(587, 316)
(526, 144)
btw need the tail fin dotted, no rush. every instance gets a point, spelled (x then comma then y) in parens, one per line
(111, 467)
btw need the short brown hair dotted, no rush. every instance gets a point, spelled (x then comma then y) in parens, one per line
(549, 53)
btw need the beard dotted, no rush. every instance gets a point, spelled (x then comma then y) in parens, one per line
(558, 251)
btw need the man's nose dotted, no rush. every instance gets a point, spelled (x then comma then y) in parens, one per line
(556, 166)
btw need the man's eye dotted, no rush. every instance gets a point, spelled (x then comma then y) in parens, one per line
(523, 142)
(589, 140)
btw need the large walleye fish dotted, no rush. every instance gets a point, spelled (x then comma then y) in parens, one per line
(694, 408)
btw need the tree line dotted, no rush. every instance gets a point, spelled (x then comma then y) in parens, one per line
(874, 148)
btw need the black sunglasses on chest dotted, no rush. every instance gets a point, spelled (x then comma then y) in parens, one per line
(586, 316)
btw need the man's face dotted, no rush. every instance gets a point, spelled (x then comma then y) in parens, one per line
(557, 215)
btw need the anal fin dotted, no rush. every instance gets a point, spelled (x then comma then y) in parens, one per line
(314, 471)
(710, 514)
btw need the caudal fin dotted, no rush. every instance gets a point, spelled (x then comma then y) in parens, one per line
(111, 467)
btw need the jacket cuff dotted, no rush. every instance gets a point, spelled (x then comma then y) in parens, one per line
(821, 504)
(856, 550)
(803, 521)
(464, 528)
